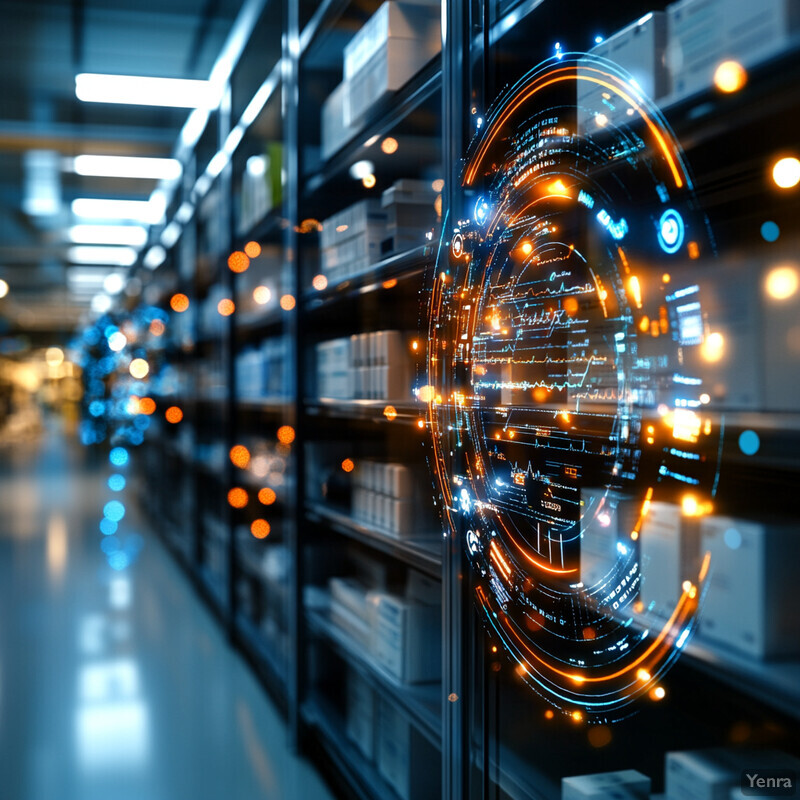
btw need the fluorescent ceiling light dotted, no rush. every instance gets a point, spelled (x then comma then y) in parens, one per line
(114, 283)
(132, 235)
(151, 211)
(116, 256)
(171, 234)
(154, 257)
(92, 87)
(127, 167)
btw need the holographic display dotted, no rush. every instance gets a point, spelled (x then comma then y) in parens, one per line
(559, 313)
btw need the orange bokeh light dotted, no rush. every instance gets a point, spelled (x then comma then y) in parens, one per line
(390, 412)
(348, 465)
(320, 283)
(390, 284)
(157, 327)
(173, 414)
(238, 261)
(237, 497)
(226, 307)
(260, 528)
(252, 249)
(147, 406)
(286, 434)
(240, 456)
(288, 302)
(179, 303)
(267, 496)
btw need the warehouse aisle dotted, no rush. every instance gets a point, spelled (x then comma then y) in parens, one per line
(117, 684)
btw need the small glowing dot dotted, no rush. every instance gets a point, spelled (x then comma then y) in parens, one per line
(415, 345)
(730, 76)
(782, 283)
(601, 120)
(577, 716)
(666, 278)
(420, 423)
(786, 173)
(117, 341)
(694, 250)
(288, 302)
(389, 145)
(749, 442)
(240, 456)
(139, 368)
(426, 393)
(252, 249)
(390, 284)
(320, 282)
(238, 261)
(226, 307)
(494, 648)
(262, 295)
(179, 303)
(237, 497)
(437, 185)
(705, 399)
(348, 465)
(390, 412)
(368, 181)
(286, 434)
(3, 288)
(689, 505)
(147, 406)
(452, 697)
(549, 714)
(267, 496)
(643, 675)
(157, 327)
(260, 528)
(659, 693)
(770, 231)
(527, 248)
(173, 415)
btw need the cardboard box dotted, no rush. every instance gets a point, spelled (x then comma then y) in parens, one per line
(704, 33)
(624, 785)
(408, 639)
(749, 605)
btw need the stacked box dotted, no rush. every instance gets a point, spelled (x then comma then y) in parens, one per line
(336, 132)
(639, 49)
(350, 241)
(749, 604)
(333, 369)
(405, 760)
(262, 186)
(361, 714)
(353, 610)
(383, 497)
(669, 555)
(704, 33)
(408, 639)
(382, 369)
(625, 785)
(411, 215)
(394, 44)
(606, 521)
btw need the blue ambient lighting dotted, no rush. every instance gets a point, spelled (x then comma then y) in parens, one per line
(670, 231)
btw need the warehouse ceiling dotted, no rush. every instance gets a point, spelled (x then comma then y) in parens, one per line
(43, 45)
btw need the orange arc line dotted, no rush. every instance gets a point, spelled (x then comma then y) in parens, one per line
(506, 114)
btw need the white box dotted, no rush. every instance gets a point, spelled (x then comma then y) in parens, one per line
(419, 23)
(624, 785)
(752, 580)
(400, 517)
(336, 132)
(361, 714)
(405, 760)
(399, 482)
(639, 49)
(668, 556)
(407, 639)
(704, 33)
(389, 69)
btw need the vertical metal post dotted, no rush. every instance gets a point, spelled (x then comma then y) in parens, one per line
(456, 717)
(290, 66)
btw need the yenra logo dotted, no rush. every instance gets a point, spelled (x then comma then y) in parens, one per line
(768, 783)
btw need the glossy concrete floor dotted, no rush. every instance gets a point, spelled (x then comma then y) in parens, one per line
(117, 685)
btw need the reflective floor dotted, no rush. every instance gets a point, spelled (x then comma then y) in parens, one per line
(117, 684)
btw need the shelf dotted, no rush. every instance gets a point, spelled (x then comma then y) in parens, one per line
(421, 702)
(213, 591)
(424, 555)
(361, 775)
(368, 410)
(383, 116)
(398, 267)
(267, 229)
(257, 647)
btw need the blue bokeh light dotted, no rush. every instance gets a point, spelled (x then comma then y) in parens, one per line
(116, 482)
(109, 545)
(118, 456)
(770, 231)
(749, 442)
(114, 510)
(118, 560)
(108, 527)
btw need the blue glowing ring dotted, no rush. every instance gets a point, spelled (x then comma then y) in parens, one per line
(670, 231)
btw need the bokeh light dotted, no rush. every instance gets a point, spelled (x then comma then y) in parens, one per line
(116, 482)
(286, 434)
(114, 510)
(139, 368)
(147, 406)
(118, 456)
(117, 341)
(320, 282)
(252, 249)
(237, 497)
(226, 307)
(260, 528)
(157, 327)
(749, 442)
(288, 302)
(730, 76)
(786, 172)
(108, 527)
(348, 465)
(262, 295)
(238, 261)
(54, 356)
(179, 303)
(770, 231)
(389, 145)
(267, 496)
(782, 283)
(713, 348)
(240, 456)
